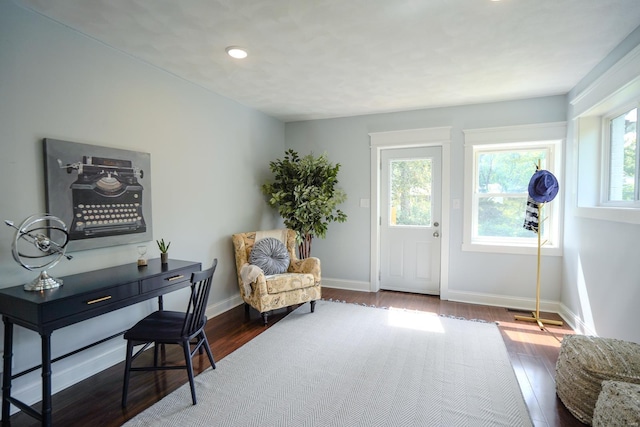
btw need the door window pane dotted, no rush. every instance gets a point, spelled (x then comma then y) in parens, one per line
(410, 192)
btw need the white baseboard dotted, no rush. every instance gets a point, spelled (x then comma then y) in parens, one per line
(221, 306)
(347, 285)
(461, 296)
(575, 321)
(503, 301)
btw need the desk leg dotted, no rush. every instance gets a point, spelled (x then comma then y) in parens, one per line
(6, 373)
(46, 378)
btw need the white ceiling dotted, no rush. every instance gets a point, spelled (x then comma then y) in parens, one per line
(311, 59)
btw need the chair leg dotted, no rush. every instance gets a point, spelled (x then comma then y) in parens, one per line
(127, 374)
(187, 358)
(265, 317)
(156, 347)
(205, 344)
(313, 306)
(246, 311)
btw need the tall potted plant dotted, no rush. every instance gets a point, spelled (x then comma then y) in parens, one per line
(304, 192)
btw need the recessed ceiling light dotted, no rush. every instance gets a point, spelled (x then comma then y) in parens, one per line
(236, 52)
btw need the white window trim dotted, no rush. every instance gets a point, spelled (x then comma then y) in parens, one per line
(618, 86)
(505, 138)
(606, 158)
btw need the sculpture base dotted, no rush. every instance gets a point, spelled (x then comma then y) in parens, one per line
(43, 282)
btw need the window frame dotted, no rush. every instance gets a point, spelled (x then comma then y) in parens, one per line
(547, 136)
(616, 87)
(605, 191)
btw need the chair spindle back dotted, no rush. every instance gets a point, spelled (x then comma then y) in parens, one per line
(200, 288)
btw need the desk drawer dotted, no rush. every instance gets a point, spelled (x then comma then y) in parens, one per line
(163, 280)
(93, 300)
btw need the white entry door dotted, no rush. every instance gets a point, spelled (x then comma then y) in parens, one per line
(410, 204)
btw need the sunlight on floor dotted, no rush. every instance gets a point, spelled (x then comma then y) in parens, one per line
(418, 320)
(530, 337)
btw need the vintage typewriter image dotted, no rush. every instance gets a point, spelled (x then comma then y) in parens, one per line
(107, 198)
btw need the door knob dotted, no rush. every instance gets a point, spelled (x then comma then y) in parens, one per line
(436, 234)
(436, 224)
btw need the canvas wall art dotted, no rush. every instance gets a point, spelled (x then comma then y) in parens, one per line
(102, 194)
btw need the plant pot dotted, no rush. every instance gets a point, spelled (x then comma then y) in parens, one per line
(164, 257)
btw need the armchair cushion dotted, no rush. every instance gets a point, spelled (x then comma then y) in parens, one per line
(271, 255)
(289, 282)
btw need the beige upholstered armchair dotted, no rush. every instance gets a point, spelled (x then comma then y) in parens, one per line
(298, 284)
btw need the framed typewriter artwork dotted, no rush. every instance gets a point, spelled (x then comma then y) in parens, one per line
(102, 194)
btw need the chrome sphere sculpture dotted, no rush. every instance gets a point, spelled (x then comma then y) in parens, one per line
(39, 243)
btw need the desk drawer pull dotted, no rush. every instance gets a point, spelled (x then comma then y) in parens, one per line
(99, 300)
(177, 277)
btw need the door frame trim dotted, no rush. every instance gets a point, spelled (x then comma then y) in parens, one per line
(425, 137)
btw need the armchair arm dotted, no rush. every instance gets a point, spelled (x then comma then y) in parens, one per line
(252, 282)
(309, 265)
(260, 288)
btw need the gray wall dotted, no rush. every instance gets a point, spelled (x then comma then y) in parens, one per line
(473, 276)
(601, 273)
(207, 163)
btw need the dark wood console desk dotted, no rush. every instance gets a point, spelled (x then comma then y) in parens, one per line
(81, 297)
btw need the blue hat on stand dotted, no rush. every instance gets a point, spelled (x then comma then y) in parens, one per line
(543, 186)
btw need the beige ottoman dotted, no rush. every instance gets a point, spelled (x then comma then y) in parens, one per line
(585, 362)
(618, 405)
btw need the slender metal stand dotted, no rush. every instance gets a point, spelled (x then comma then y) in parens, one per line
(536, 314)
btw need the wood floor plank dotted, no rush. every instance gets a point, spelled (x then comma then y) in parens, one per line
(96, 401)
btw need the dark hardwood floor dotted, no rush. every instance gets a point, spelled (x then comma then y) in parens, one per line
(96, 400)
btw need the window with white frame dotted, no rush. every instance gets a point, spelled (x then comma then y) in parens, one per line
(605, 117)
(500, 163)
(621, 168)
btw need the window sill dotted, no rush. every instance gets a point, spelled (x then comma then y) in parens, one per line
(547, 250)
(628, 215)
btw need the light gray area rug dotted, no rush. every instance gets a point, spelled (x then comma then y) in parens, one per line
(350, 365)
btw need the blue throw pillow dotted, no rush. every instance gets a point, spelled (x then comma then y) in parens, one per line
(271, 255)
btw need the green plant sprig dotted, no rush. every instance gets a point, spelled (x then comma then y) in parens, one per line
(161, 245)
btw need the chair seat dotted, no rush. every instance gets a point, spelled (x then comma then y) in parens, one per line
(160, 326)
(286, 282)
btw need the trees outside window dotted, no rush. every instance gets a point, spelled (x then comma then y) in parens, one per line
(502, 180)
(411, 192)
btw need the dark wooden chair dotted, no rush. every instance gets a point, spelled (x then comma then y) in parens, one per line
(173, 327)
